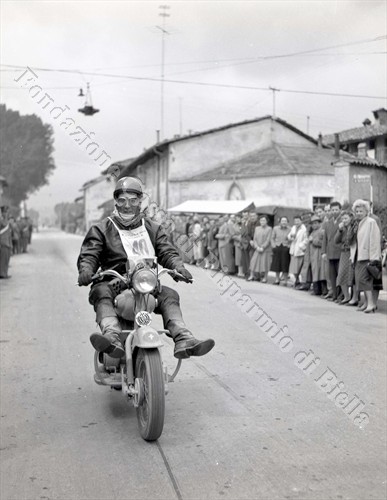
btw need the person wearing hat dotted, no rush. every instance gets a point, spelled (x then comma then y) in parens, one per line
(106, 246)
(5, 242)
(316, 239)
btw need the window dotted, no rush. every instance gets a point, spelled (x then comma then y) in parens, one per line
(371, 149)
(321, 200)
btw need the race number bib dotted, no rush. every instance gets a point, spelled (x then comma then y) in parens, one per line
(136, 242)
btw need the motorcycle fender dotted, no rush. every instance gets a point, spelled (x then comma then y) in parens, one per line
(146, 337)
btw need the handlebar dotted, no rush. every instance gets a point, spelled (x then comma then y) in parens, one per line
(174, 274)
(110, 272)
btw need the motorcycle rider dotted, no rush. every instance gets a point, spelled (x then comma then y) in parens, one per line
(108, 244)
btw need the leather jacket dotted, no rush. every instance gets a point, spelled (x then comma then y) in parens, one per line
(102, 247)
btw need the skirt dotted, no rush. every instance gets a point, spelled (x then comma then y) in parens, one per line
(260, 262)
(364, 281)
(296, 265)
(345, 275)
(281, 259)
(226, 257)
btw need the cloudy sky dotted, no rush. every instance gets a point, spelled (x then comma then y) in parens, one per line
(329, 46)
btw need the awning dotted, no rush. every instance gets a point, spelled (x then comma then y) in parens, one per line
(213, 206)
(275, 209)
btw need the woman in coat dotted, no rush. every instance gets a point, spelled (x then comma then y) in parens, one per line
(280, 245)
(212, 244)
(261, 259)
(365, 251)
(299, 241)
(226, 246)
(315, 251)
(238, 246)
(345, 275)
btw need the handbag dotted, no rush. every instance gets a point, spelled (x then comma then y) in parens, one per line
(374, 268)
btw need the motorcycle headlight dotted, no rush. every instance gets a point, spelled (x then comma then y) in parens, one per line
(144, 280)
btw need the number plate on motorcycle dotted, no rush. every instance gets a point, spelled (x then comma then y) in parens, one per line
(143, 318)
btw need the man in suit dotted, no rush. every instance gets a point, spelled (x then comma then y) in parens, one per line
(331, 250)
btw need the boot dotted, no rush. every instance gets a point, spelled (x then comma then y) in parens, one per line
(186, 344)
(109, 341)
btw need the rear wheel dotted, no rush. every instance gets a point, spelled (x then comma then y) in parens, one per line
(151, 410)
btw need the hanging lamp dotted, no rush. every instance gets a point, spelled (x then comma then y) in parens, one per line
(88, 109)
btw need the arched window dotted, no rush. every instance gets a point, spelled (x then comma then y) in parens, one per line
(235, 192)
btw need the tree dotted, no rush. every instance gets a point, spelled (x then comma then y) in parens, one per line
(26, 147)
(34, 215)
(70, 216)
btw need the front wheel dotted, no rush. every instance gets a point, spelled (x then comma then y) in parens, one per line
(150, 412)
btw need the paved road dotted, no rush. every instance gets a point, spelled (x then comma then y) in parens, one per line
(243, 422)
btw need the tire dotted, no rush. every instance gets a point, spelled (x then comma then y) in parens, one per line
(150, 414)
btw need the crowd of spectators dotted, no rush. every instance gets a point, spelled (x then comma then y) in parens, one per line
(15, 236)
(332, 253)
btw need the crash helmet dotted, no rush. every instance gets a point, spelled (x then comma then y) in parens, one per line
(128, 185)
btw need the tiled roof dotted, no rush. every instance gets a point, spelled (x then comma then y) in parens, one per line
(358, 160)
(150, 152)
(357, 134)
(277, 159)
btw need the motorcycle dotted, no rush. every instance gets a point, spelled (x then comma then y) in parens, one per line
(141, 374)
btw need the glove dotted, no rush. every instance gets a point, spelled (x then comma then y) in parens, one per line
(85, 277)
(184, 272)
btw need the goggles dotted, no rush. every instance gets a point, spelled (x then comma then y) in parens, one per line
(127, 200)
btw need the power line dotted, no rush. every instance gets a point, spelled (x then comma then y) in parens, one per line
(216, 61)
(268, 57)
(262, 60)
(242, 60)
(209, 84)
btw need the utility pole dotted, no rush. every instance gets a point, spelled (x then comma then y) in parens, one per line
(274, 90)
(163, 14)
(307, 124)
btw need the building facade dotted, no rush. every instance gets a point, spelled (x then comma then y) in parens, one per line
(360, 178)
(371, 138)
(266, 160)
(95, 192)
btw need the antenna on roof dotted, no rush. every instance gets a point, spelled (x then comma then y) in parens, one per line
(274, 90)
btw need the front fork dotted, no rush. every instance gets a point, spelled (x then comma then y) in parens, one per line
(126, 378)
(127, 375)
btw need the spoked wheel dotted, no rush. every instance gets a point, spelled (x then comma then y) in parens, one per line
(151, 409)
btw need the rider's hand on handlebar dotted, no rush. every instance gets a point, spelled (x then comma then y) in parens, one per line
(185, 275)
(85, 277)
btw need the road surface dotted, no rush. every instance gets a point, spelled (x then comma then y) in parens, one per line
(243, 422)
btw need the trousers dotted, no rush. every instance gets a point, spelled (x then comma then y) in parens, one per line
(333, 272)
(168, 304)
